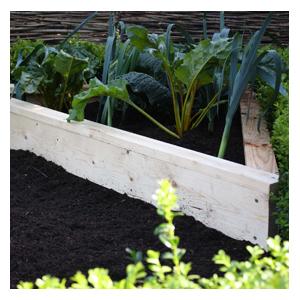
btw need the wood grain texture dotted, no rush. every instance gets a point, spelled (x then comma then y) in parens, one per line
(257, 146)
(229, 197)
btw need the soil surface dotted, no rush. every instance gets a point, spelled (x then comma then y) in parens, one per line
(198, 139)
(61, 223)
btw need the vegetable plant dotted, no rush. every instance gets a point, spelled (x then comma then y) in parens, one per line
(120, 58)
(20, 49)
(266, 65)
(263, 269)
(185, 72)
(55, 73)
(52, 73)
(278, 121)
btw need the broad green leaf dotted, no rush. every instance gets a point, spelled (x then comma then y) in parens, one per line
(139, 37)
(152, 66)
(141, 83)
(193, 67)
(30, 82)
(116, 89)
(68, 65)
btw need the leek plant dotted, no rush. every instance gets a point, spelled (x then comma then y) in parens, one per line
(218, 72)
(267, 66)
(120, 58)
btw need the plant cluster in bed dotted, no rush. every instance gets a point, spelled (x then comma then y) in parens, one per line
(168, 270)
(143, 70)
(199, 76)
(56, 73)
(277, 115)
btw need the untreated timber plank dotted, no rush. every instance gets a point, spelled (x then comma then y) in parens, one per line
(257, 146)
(227, 196)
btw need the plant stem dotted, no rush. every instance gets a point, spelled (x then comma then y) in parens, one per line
(153, 120)
(175, 103)
(61, 102)
(225, 138)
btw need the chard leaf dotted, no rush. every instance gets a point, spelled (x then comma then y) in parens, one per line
(141, 83)
(195, 62)
(151, 65)
(116, 89)
(140, 38)
(30, 82)
(68, 65)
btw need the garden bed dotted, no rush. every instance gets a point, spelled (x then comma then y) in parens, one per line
(61, 223)
(223, 195)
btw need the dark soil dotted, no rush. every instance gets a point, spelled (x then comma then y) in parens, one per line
(61, 223)
(199, 139)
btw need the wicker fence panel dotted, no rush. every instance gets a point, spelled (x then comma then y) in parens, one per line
(53, 26)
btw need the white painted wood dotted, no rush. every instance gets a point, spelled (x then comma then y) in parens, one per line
(229, 197)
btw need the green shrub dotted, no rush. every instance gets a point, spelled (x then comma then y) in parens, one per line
(263, 270)
(278, 122)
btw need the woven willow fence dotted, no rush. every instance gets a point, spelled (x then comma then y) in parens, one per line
(53, 26)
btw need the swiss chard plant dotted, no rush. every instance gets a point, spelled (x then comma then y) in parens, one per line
(186, 73)
(168, 270)
(54, 74)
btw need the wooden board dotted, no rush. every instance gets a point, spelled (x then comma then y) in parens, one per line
(257, 146)
(229, 197)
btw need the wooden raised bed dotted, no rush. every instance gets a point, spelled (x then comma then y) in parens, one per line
(223, 195)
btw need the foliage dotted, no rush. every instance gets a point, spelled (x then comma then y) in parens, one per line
(277, 114)
(267, 65)
(153, 92)
(186, 72)
(20, 49)
(258, 272)
(84, 49)
(167, 270)
(120, 58)
(196, 74)
(52, 73)
(55, 73)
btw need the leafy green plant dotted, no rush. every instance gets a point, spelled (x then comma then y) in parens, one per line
(219, 72)
(267, 65)
(120, 58)
(277, 114)
(259, 272)
(263, 270)
(55, 73)
(52, 73)
(85, 49)
(186, 73)
(20, 49)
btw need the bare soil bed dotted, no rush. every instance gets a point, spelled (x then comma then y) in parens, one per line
(61, 223)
